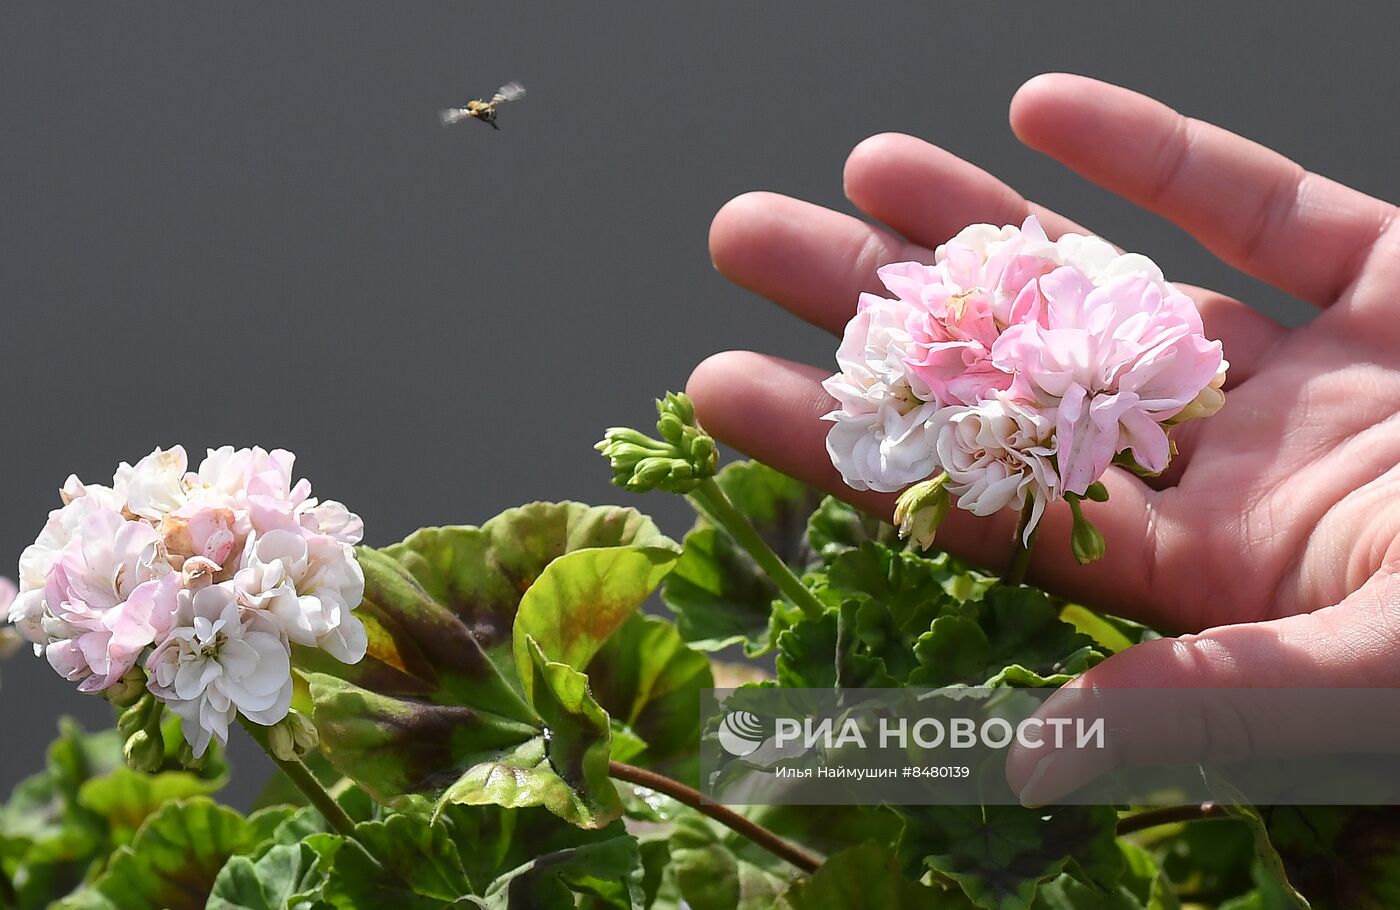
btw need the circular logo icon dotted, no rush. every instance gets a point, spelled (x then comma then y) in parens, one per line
(740, 733)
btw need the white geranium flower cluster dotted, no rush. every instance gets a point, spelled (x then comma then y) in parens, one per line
(203, 577)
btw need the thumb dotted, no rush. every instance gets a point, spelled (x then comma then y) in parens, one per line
(1188, 719)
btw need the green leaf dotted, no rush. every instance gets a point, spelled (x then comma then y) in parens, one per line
(888, 600)
(858, 666)
(286, 872)
(438, 702)
(492, 841)
(608, 873)
(837, 527)
(1335, 856)
(807, 653)
(50, 842)
(719, 594)
(76, 757)
(420, 647)
(483, 857)
(175, 858)
(582, 598)
(482, 574)
(402, 862)
(998, 855)
(905, 582)
(866, 877)
(1100, 628)
(126, 798)
(564, 767)
(648, 679)
(1210, 863)
(1143, 887)
(1016, 638)
(1270, 893)
(716, 869)
(829, 829)
(394, 746)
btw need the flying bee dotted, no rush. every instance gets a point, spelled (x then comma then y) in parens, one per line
(482, 110)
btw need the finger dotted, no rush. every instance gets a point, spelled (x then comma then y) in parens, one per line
(771, 410)
(1351, 645)
(928, 194)
(1252, 207)
(810, 260)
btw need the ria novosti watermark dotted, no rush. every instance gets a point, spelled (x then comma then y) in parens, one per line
(932, 733)
(971, 746)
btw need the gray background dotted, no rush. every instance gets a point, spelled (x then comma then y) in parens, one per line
(242, 223)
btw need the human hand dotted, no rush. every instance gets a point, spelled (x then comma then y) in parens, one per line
(1276, 534)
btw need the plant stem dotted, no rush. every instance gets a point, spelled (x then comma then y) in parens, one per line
(732, 820)
(305, 781)
(712, 502)
(1021, 552)
(1171, 815)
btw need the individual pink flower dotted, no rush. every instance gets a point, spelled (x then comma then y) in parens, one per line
(1112, 362)
(998, 454)
(982, 281)
(881, 407)
(108, 596)
(221, 660)
(157, 484)
(26, 611)
(259, 483)
(951, 345)
(311, 584)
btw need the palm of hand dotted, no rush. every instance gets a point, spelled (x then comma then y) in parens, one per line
(1277, 529)
(1290, 499)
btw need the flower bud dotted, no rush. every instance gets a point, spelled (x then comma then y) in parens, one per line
(144, 751)
(671, 429)
(703, 450)
(292, 737)
(304, 732)
(678, 462)
(137, 715)
(1085, 541)
(1208, 401)
(650, 472)
(126, 691)
(280, 742)
(920, 509)
(680, 405)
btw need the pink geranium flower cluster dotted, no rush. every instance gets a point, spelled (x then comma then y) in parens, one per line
(1020, 368)
(204, 578)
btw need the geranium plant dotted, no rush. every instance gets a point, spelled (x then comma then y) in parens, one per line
(484, 716)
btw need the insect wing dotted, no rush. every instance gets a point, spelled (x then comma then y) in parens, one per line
(453, 115)
(511, 91)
